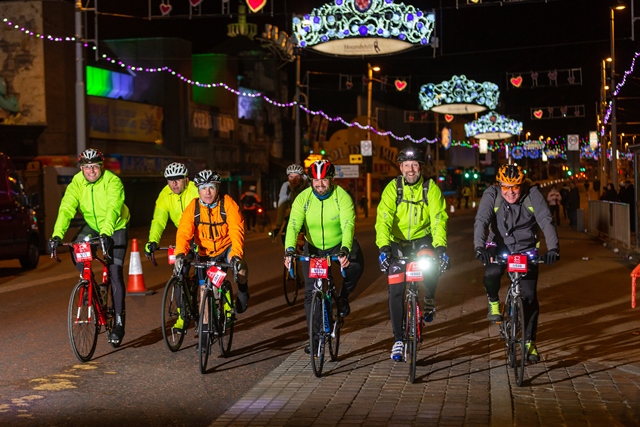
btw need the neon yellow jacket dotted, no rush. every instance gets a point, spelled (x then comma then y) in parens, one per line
(170, 205)
(411, 219)
(100, 202)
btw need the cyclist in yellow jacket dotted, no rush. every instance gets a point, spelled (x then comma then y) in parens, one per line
(99, 195)
(171, 202)
(216, 225)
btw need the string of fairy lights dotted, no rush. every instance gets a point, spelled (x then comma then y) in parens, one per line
(554, 147)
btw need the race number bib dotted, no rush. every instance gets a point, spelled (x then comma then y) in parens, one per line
(82, 251)
(517, 263)
(414, 274)
(171, 252)
(318, 268)
(216, 275)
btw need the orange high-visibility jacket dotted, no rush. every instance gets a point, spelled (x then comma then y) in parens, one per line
(214, 234)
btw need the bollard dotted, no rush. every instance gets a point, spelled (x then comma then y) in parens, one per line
(634, 275)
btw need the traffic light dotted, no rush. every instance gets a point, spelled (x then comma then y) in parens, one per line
(466, 174)
(322, 152)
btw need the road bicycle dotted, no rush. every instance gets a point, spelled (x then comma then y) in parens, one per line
(263, 221)
(91, 305)
(324, 319)
(180, 300)
(512, 326)
(217, 314)
(415, 268)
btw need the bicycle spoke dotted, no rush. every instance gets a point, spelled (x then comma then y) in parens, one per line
(172, 307)
(225, 318)
(82, 323)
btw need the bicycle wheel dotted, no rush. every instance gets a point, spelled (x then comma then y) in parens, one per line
(172, 307)
(82, 323)
(412, 335)
(519, 349)
(290, 284)
(225, 318)
(336, 323)
(205, 328)
(316, 333)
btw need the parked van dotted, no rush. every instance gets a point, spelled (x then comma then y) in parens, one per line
(19, 233)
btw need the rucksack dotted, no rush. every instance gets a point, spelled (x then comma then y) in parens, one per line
(399, 190)
(196, 213)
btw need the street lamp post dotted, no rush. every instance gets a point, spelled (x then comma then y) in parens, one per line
(370, 71)
(614, 130)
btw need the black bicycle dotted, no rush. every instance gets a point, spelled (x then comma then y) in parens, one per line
(512, 326)
(179, 303)
(217, 314)
(324, 319)
(415, 268)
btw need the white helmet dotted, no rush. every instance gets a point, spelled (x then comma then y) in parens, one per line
(295, 169)
(175, 170)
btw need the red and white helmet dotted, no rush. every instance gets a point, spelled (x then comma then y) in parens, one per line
(321, 169)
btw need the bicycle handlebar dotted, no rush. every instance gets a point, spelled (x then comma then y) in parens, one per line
(93, 241)
(500, 260)
(152, 255)
(308, 258)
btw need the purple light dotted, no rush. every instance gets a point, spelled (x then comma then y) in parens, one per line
(362, 30)
(339, 2)
(409, 17)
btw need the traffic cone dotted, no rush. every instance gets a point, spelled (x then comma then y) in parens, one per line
(136, 284)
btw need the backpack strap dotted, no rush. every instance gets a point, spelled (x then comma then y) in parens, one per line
(400, 189)
(196, 212)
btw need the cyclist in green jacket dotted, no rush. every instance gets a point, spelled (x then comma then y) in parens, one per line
(326, 211)
(412, 215)
(99, 195)
(171, 202)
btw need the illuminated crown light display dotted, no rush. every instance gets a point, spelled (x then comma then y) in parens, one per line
(459, 96)
(556, 148)
(364, 18)
(493, 126)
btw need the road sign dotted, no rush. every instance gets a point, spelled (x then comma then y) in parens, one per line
(347, 171)
(355, 159)
(366, 149)
(573, 142)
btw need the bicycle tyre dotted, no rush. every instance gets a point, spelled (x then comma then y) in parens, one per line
(169, 316)
(518, 343)
(316, 334)
(204, 330)
(412, 336)
(225, 318)
(336, 323)
(290, 285)
(83, 330)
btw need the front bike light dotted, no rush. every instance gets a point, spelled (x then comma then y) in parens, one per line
(425, 263)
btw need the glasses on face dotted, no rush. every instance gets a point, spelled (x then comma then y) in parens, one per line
(89, 167)
(509, 187)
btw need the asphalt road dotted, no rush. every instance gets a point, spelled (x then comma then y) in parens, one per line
(142, 382)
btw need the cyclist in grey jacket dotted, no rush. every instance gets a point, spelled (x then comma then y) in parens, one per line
(511, 212)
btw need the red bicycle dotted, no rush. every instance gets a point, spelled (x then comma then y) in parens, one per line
(91, 305)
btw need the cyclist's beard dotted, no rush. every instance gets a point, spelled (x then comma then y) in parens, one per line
(412, 178)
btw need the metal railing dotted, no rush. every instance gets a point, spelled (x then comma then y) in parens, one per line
(610, 219)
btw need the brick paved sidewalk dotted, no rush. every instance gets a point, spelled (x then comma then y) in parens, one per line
(588, 338)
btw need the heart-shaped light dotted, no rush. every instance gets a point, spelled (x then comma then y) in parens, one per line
(552, 75)
(516, 81)
(448, 117)
(400, 84)
(194, 3)
(537, 114)
(256, 5)
(165, 9)
(349, 85)
(571, 80)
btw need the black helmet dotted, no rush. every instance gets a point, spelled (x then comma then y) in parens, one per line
(90, 156)
(205, 177)
(411, 154)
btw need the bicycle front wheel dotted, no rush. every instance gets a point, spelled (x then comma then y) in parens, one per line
(173, 330)
(225, 318)
(205, 328)
(412, 335)
(290, 285)
(518, 347)
(82, 322)
(316, 333)
(336, 322)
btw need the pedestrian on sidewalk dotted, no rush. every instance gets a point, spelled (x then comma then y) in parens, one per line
(573, 204)
(609, 194)
(412, 216)
(513, 211)
(554, 198)
(466, 193)
(564, 191)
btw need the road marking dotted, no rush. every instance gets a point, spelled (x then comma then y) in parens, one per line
(12, 286)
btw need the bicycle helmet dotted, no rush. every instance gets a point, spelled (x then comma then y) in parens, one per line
(176, 170)
(321, 169)
(90, 156)
(295, 169)
(510, 174)
(412, 154)
(206, 177)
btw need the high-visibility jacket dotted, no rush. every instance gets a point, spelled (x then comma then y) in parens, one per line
(170, 205)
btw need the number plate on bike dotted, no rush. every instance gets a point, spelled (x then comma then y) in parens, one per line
(216, 275)
(414, 274)
(318, 268)
(171, 252)
(82, 251)
(517, 263)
